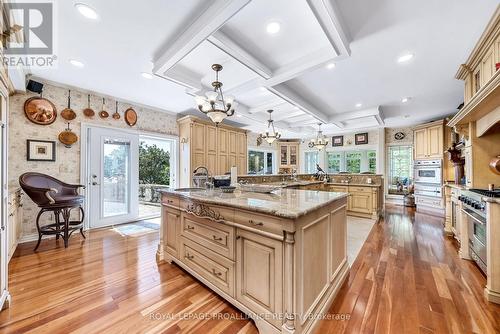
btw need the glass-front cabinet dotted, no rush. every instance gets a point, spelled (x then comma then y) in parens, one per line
(289, 157)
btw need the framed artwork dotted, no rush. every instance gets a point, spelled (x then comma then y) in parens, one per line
(361, 138)
(41, 150)
(338, 141)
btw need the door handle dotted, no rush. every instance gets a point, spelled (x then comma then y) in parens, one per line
(95, 183)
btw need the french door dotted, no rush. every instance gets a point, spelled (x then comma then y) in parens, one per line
(113, 176)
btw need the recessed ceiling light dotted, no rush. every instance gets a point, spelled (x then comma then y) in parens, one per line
(238, 115)
(359, 105)
(406, 57)
(86, 11)
(330, 66)
(273, 28)
(405, 99)
(147, 75)
(76, 63)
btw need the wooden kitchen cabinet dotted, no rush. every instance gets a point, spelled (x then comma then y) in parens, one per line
(172, 230)
(289, 156)
(259, 266)
(360, 200)
(217, 148)
(429, 140)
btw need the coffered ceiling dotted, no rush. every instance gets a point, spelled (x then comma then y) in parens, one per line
(289, 71)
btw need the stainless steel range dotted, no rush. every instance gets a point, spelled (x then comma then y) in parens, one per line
(475, 209)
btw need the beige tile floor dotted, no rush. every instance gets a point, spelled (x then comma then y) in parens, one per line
(357, 232)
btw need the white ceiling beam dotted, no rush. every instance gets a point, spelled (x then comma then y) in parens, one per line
(209, 21)
(287, 115)
(346, 116)
(234, 50)
(330, 20)
(184, 77)
(287, 94)
(266, 106)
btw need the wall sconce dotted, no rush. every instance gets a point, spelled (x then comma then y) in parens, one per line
(184, 140)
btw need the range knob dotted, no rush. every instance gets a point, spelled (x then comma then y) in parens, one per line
(476, 205)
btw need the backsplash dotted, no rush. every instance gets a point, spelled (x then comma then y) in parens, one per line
(67, 164)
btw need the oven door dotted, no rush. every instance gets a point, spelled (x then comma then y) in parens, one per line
(477, 238)
(428, 190)
(428, 175)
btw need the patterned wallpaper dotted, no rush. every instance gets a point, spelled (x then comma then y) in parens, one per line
(67, 164)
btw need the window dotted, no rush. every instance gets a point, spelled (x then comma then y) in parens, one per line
(353, 162)
(260, 162)
(334, 162)
(311, 159)
(400, 168)
(372, 161)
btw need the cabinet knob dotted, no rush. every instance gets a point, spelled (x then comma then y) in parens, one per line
(216, 273)
(189, 256)
(216, 238)
(189, 227)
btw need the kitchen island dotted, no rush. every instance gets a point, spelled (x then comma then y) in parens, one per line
(278, 257)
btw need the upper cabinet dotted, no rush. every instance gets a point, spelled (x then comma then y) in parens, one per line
(217, 148)
(481, 76)
(428, 140)
(289, 156)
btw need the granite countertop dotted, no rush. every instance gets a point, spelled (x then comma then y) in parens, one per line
(354, 184)
(285, 203)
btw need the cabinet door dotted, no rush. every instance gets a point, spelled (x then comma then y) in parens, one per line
(283, 155)
(420, 142)
(223, 164)
(488, 65)
(293, 152)
(361, 202)
(222, 141)
(259, 273)
(211, 149)
(435, 141)
(172, 230)
(232, 142)
(197, 145)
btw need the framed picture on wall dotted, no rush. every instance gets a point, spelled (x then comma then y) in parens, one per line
(338, 141)
(361, 138)
(41, 150)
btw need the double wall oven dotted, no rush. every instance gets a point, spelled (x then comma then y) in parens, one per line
(428, 178)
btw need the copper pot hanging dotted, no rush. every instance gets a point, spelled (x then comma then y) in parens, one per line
(68, 137)
(103, 113)
(116, 115)
(89, 112)
(68, 113)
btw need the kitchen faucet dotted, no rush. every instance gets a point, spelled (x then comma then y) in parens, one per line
(196, 178)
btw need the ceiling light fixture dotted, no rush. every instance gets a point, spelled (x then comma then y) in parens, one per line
(271, 135)
(359, 105)
(76, 63)
(147, 75)
(330, 66)
(405, 99)
(405, 58)
(215, 105)
(320, 142)
(273, 28)
(86, 11)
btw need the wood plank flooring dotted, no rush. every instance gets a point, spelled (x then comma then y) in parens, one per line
(407, 279)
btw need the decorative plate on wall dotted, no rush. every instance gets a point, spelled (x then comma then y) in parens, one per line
(399, 136)
(130, 117)
(40, 110)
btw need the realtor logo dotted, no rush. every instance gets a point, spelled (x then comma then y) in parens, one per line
(28, 36)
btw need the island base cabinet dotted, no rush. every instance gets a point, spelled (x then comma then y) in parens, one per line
(171, 230)
(259, 266)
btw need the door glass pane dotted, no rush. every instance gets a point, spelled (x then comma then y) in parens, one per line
(269, 165)
(372, 161)
(284, 155)
(293, 155)
(400, 168)
(116, 177)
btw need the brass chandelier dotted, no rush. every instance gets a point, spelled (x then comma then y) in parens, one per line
(321, 141)
(270, 135)
(215, 105)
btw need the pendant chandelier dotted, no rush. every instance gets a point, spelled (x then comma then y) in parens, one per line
(271, 135)
(215, 105)
(321, 141)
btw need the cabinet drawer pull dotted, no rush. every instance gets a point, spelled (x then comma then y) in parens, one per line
(170, 201)
(216, 238)
(189, 227)
(216, 273)
(189, 256)
(256, 223)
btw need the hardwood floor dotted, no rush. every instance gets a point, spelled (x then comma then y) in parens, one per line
(407, 279)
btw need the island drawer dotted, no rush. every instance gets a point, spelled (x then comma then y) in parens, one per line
(211, 266)
(359, 189)
(217, 237)
(260, 222)
(170, 200)
(338, 189)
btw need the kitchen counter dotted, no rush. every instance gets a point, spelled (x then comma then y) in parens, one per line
(280, 258)
(285, 203)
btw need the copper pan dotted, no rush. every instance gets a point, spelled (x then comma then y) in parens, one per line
(495, 165)
(116, 115)
(68, 113)
(89, 112)
(103, 113)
